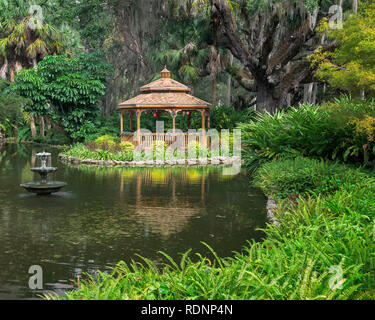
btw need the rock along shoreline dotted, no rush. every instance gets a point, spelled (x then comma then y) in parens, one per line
(216, 161)
(271, 211)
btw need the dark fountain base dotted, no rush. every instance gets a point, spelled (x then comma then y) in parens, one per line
(43, 189)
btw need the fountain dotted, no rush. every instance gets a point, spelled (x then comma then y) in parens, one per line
(44, 187)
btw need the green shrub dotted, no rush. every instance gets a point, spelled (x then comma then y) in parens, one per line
(342, 130)
(159, 147)
(106, 143)
(307, 130)
(106, 138)
(126, 153)
(12, 115)
(196, 150)
(357, 117)
(227, 149)
(104, 126)
(283, 178)
(127, 146)
(122, 156)
(24, 134)
(223, 117)
(81, 151)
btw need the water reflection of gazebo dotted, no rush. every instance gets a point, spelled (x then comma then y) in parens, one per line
(163, 95)
(160, 217)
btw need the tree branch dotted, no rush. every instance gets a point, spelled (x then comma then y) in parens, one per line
(228, 26)
(244, 79)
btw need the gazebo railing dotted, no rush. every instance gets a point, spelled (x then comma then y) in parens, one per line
(169, 138)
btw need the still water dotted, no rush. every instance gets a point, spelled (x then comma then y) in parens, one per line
(106, 215)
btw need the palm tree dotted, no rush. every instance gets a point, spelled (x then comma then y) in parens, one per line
(192, 47)
(180, 43)
(24, 41)
(186, 43)
(22, 45)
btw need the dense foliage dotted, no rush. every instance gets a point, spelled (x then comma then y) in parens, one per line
(301, 176)
(316, 237)
(342, 130)
(223, 117)
(351, 66)
(101, 151)
(11, 115)
(67, 90)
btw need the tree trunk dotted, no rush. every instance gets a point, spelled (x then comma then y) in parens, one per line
(42, 127)
(308, 92)
(11, 76)
(229, 82)
(265, 100)
(48, 123)
(269, 51)
(363, 94)
(289, 95)
(18, 67)
(214, 80)
(4, 69)
(315, 93)
(214, 90)
(33, 127)
(355, 6)
(59, 127)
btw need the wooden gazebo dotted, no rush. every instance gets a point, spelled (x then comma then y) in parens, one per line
(163, 95)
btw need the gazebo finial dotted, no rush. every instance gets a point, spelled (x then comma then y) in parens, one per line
(165, 73)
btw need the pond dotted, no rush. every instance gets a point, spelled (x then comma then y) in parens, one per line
(106, 215)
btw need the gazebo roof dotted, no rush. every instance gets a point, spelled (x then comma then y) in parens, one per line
(163, 93)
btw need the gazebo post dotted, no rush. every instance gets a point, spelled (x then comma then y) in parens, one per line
(203, 120)
(131, 120)
(174, 121)
(139, 112)
(173, 114)
(122, 121)
(203, 113)
(189, 119)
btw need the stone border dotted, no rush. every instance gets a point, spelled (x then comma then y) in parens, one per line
(216, 161)
(271, 211)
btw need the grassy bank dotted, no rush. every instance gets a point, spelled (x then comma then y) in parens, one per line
(327, 232)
